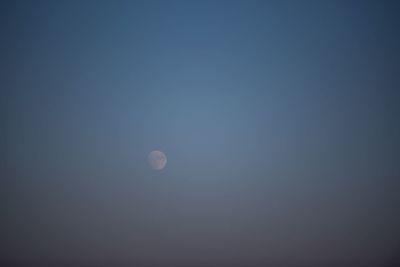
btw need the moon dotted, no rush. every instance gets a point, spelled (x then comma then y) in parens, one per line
(157, 160)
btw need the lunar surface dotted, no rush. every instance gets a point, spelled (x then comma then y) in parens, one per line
(157, 160)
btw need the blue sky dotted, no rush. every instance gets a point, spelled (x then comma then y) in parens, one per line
(279, 120)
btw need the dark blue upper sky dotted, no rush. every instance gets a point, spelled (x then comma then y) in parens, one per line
(280, 121)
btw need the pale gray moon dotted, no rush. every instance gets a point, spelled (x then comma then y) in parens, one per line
(157, 160)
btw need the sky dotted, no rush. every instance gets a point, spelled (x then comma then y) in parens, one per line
(279, 121)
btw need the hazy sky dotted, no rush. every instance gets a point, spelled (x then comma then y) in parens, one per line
(280, 121)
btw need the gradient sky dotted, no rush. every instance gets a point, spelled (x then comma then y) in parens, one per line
(280, 121)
